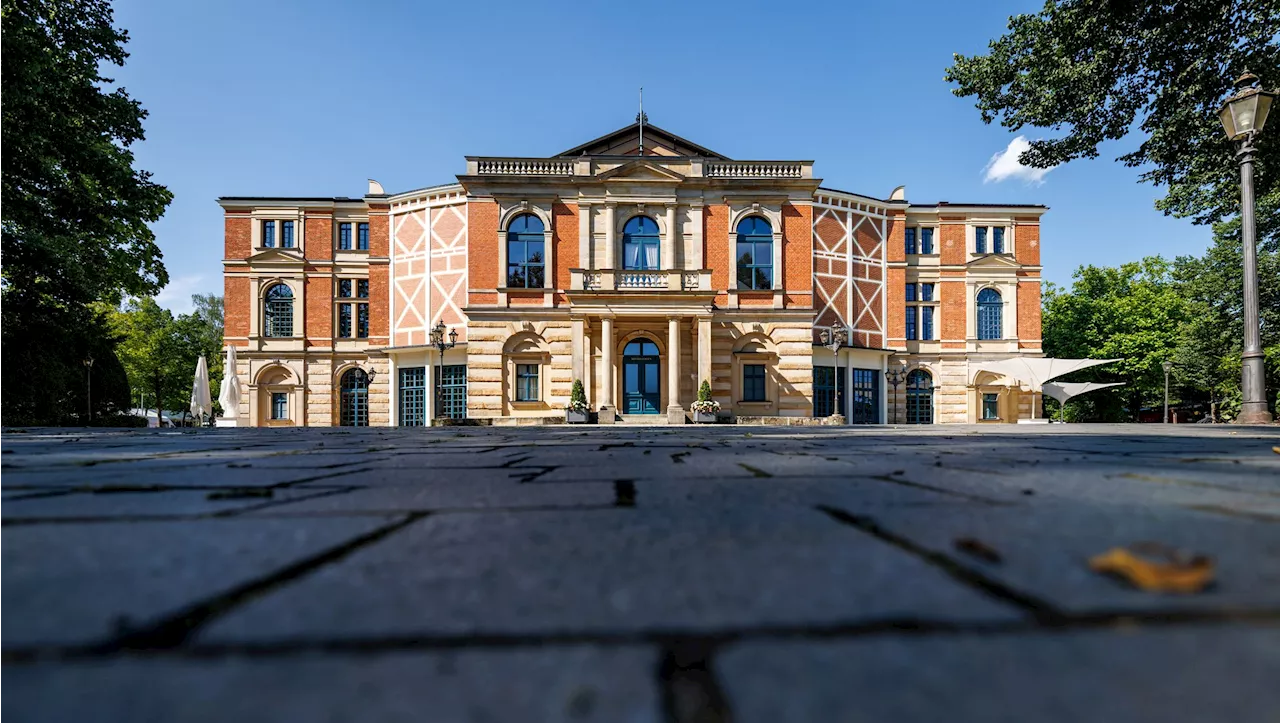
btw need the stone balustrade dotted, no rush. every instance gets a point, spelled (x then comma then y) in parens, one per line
(640, 280)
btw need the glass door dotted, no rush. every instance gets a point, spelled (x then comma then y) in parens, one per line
(641, 377)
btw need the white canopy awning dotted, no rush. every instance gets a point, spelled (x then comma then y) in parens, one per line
(1033, 372)
(1062, 391)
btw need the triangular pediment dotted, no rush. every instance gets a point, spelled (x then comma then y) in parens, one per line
(278, 256)
(642, 171)
(626, 142)
(994, 261)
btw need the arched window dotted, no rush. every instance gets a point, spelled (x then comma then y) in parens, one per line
(919, 397)
(755, 253)
(355, 399)
(990, 315)
(640, 244)
(277, 312)
(526, 262)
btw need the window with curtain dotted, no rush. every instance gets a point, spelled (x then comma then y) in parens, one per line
(997, 240)
(980, 239)
(755, 253)
(344, 236)
(926, 240)
(527, 383)
(990, 314)
(277, 312)
(526, 266)
(279, 405)
(753, 383)
(990, 406)
(268, 234)
(641, 244)
(910, 235)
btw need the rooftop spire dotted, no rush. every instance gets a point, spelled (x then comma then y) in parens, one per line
(641, 118)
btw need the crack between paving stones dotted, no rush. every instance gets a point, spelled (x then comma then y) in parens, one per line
(939, 490)
(178, 628)
(691, 691)
(1040, 610)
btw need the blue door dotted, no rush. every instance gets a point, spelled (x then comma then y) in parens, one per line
(640, 377)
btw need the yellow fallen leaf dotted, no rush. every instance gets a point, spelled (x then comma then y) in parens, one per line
(1156, 568)
(1276, 450)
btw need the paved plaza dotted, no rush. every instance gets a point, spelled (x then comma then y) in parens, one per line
(679, 574)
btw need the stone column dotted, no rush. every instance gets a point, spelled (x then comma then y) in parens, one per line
(608, 409)
(704, 350)
(675, 412)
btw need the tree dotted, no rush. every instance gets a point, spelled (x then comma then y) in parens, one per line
(1134, 313)
(150, 347)
(200, 333)
(1099, 70)
(76, 212)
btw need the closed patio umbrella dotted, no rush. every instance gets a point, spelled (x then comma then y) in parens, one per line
(201, 403)
(229, 394)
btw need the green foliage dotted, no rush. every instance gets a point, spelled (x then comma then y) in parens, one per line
(704, 391)
(160, 352)
(76, 218)
(1099, 70)
(577, 398)
(1134, 313)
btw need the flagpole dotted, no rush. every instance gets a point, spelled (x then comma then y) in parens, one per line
(641, 119)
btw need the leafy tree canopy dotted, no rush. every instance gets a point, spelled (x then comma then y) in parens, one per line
(1101, 70)
(75, 209)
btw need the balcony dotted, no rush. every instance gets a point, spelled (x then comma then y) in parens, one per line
(630, 280)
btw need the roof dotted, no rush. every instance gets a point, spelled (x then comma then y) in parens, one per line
(336, 199)
(679, 146)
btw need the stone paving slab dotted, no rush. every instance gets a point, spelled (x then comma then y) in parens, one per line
(612, 570)
(1136, 676)
(78, 584)
(695, 573)
(572, 684)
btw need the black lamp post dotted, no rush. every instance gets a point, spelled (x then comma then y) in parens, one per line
(1168, 367)
(88, 386)
(438, 334)
(1243, 115)
(833, 339)
(896, 376)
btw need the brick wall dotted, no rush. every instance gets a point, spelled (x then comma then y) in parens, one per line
(951, 235)
(715, 240)
(564, 242)
(1028, 314)
(895, 238)
(318, 244)
(797, 255)
(379, 230)
(895, 282)
(238, 236)
(319, 317)
(953, 325)
(379, 302)
(237, 305)
(482, 246)
(1027, 244)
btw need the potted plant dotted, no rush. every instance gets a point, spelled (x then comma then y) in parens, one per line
(704, 410)
(576, 411)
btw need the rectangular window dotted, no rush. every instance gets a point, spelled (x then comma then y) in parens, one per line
(527, 383)
(453, 391)
(911, 322)
(980, 239)
(344, 320)
(997, 240)
(362, 321)
(362, 288)
(362, 240)
(286, 234)
(926, 240)
(926, 292)
(344, 236)
(344, 288)
(824, 391)
(911, 240)
(866, 397)
(279, 405)
(911, 292)
(413, 397)
(990, 406)
(926, 322)
(268, 234)
(753, 383)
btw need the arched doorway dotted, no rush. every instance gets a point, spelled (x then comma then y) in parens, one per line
(355, 399)
(641, 377)
(919, 397)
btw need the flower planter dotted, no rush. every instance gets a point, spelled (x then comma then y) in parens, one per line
(704, 418)
(572, 417)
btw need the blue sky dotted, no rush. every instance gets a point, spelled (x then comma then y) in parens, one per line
(312, 98)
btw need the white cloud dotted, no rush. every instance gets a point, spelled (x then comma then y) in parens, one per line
(176, 296)
(1004, 165)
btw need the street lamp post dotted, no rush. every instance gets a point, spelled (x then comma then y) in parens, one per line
(896, 376)
(833, 339)
(1243, 115)
(1168, 367)
(438, 341)
(88, 387)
